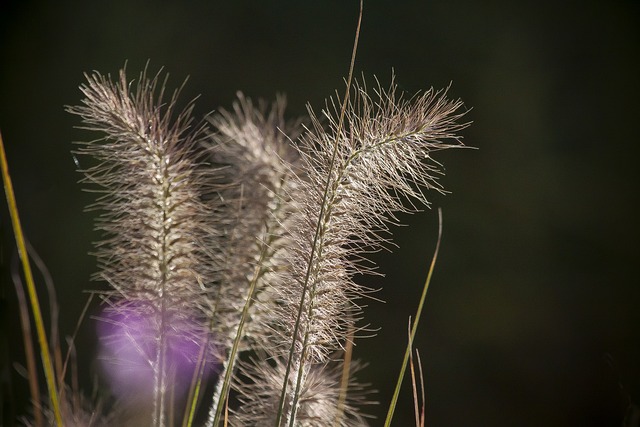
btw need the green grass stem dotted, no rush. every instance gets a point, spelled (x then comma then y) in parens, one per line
(396, 393)
(31, 288)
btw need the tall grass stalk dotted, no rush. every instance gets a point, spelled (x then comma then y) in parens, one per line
(31, 288)
(414, 327)
(231, 247)
(292, 407)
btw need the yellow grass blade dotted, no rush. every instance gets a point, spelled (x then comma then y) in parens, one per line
(33, 297)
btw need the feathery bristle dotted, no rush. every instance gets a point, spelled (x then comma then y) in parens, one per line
(256, 160)
(255, 156)
(156, 248)
(260, 246)
(318, 400)
(356, 180)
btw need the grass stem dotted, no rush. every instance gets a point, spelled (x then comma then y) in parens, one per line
(31, 288)
(316, 239)
(396, 393)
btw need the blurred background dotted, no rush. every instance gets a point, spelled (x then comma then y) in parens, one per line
(533, 315)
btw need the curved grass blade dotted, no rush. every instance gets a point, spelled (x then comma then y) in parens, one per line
(31, 288)
(396, 393)
(29, 351)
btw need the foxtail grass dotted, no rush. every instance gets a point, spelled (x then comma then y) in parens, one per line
(231, 246)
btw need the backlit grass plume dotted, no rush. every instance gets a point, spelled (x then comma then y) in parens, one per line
(251, 147)
(241, 243)
(156, 250)
(354, 180)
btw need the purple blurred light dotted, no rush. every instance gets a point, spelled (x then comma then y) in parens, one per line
(129, 339)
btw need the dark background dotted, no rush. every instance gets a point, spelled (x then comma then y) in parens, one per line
(533, 314)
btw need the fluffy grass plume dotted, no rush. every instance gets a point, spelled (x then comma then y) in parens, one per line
(354, 180)
(230, 247)
(156, 250)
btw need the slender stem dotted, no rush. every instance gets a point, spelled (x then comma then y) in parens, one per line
(413, 378)
(344, 379)
(196, 384)
(54, 308)
(161, 368)
(421, 376)
(222, 389)
(396, 393)
(160, 374)
(317, 233)
(28, 344)
(72, 340)
(31, 288)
